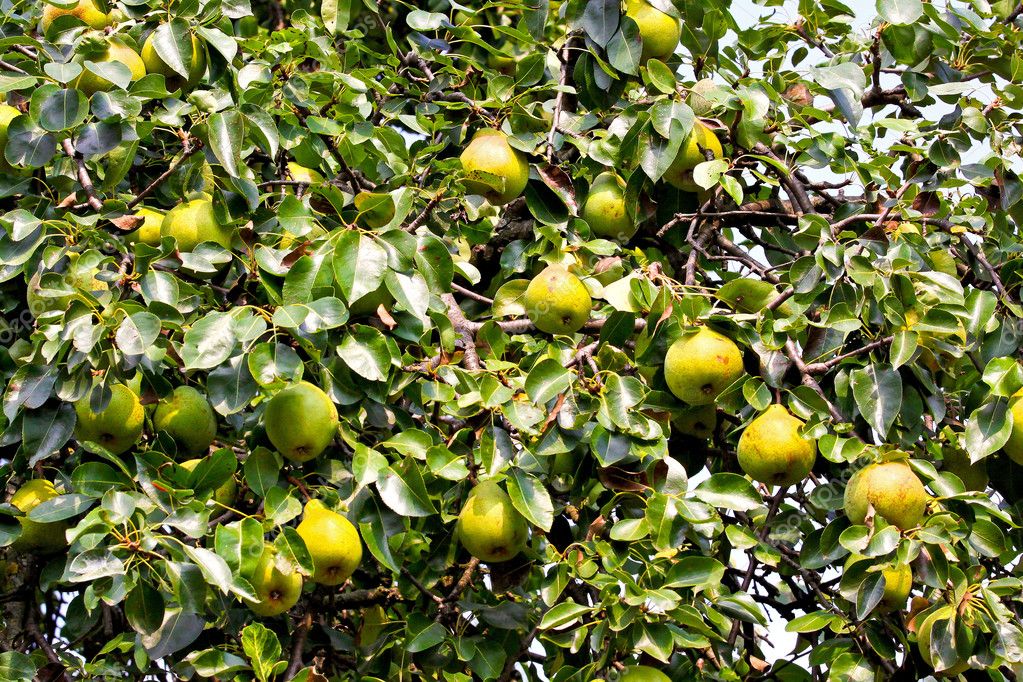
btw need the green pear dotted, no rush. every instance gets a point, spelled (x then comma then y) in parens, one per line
(697, 422)
(640, 673)
(691, 154)
(923, 641)
(1014, 446)
(186, 416)
(747, 295)
(82, 278)
(118, 427)
(376, 209)
(332, 541)
(155, 64)
(605, 210)
(891, 489)
(226, 494)
(276, 591)
(116, 50)
(38, 536)
(489, 526)
(697, 367)
(557, 301)
(149, 231)
(973, 476)
(898, 583)
(658, 31)
(493, 168)
(194, 222)
(771, 449)
(301, 421)
(85, 11)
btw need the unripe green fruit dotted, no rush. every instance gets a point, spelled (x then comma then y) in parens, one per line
(493, 168)
(186, 416)
(332, 541)
(118, 427)
(85, 11)
(697, 422)
(226, 494)
(301, 421)
(489, 526)
(659, 32)
(557, 301)
(76, 279)
(892, 489)
(639, 673)
(149, 231)
(155, 64)
(771, 449)
(898, 583)
(38, 536)
(276, 591)
(973, 476)
(698, 367)
(194, 222)
(116, 51)
(691, 154)
(605, 210)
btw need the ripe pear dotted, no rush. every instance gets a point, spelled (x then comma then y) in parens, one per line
(155, 64)
(376, 209)
(892, 489)
(923, 641)
(301, 421)
(277, 591)
(149, 231)
(186, 416)
(973, 476)
(605, 211)
(194, 222)
(641, 673)
(493, 168)
(691, 154)
(773, 451)
(332, 541)
(697, 422)
(118, 427)
(116, 51)
(38, 536)
(1014, 446)
(85, 11)
(898, 583)
(658, 31)
(557, 301)
(226, 494)
(699, 366)
(489, 526)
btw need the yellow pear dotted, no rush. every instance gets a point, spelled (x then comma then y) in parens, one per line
(332, 541)
(276, 591)
(226, 494)
(1014, 446)
(301, 421)
(891, 489)
(691, 154)
(605, 210)
(116, 51)
(118, 427)
(557, 301)
(973, 476)
(699, 366)
(375, 209)
(194, 222)
(489, 526)
(493, 168)
(923, 641)
(155, 64)
(186, 416)
(658, 31)
(37, 536)
(85, 11)
(898, 583)
(149, 231)
(771, 449)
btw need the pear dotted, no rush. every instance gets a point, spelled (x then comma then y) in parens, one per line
(116, 50)
(699, 366)
(301, 421)
(226, 494)
(489, 526)
(38, 536)
(118, 426)
(898, 583)
(605, 211)
(697, 422)
(691, 154)
(85, 11)
(332, 541)
(773, 451)
(155, 64)
(194, 222)
(973, 476)
(892, 489)
(493, 168)
(277, 591)
(375, 209)
(77, 278)
(8, 114)
(557, 301)
(640, 673)
(747, 295)
(1014, 446)
(186, 416)
(658, 31)
(149, 231)
(923, 641)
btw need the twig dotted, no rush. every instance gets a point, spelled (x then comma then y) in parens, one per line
(11, 67)
(83, 175)
(822, 367)
(425, 213)
(809, 381)
(465, 330)
(191, 147)
(472, 294)
(559, 100)
(298, 642)
(420, 586)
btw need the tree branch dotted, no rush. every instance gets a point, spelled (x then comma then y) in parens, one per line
(83, 175)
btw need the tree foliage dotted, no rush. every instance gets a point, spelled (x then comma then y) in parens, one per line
(838, 195)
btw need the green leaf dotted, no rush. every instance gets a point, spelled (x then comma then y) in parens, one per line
(209, 342)
(625, 49)
(144, 608)
(360, 263)
(45, 430)
(878, 392)
(61, 507)
(15, 665)
(902, 12)
(547, 380)
(173, 44)
(226, 136)
(137, 333)
(365, 352)
(263, 650)
(58, 109)
(988, 429)
(600, 20)
(563, 614)
(531, 499)
(404, 491)
(262, 469)
(729, 491)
